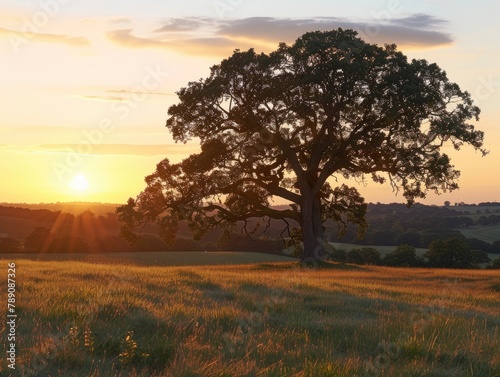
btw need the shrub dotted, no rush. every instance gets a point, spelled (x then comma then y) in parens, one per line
(403, 256)
(495, 264)
(338, 255)
(364, 255)
(450, 253)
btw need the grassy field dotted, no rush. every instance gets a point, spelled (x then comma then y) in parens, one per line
(485, 233)
(78, 318)
(158, 258)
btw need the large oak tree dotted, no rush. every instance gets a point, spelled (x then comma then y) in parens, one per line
(289, 123)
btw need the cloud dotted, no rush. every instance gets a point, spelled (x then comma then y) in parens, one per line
(140, 150)
(123, 20)
(204, 36)
(122, 95)
(182, 25)
(70, 131)
(17, 37)
(32, 129)
(206, 46)
(103, 98)
(129, 92)
(419, 21)
(407, 37)
(276, 29)
(125, 38)
(404, 31)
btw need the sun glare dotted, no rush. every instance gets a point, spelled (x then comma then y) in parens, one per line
(79, 183)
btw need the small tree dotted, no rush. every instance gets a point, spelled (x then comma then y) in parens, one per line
(286, 124)
(355, 256)
(403, 256)
(495, 264)
(364, 255)
(39, 239)
(450, 253)
(338, 255)
(480, 257)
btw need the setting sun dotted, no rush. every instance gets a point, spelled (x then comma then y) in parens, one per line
(79, 183)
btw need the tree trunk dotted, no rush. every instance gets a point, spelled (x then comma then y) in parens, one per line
(312, 229)
(317, 223)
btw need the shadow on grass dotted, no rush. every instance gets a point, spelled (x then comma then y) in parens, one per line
(495, 287)
(111, 338)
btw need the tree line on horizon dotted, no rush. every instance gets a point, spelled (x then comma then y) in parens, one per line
(389, 225)
(396, 224)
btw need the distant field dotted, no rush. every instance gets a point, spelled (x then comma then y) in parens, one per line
(484, 233)
(383, 250)
(269, 319)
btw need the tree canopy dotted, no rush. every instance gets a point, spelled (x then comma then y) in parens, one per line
(290, 123)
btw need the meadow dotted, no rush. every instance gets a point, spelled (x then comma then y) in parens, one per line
(489, 233)
(264, 318)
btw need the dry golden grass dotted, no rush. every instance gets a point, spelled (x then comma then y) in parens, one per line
(91, 319)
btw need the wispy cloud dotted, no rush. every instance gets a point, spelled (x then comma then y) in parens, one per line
(121, 20)
(124, 37)
(102, 98)
(215, 45)
(410, 31)
(122, 149)
(263, 33)
(45, 37)
(127, 92)
(183, 25)
(121, 95)
(419, 21)
(70, 131)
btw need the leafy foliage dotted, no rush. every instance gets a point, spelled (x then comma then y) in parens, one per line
(403, 256)
(38, 238)
(364, 255)
(495, 264)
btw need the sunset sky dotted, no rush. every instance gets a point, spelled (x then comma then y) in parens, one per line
(85, 85)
